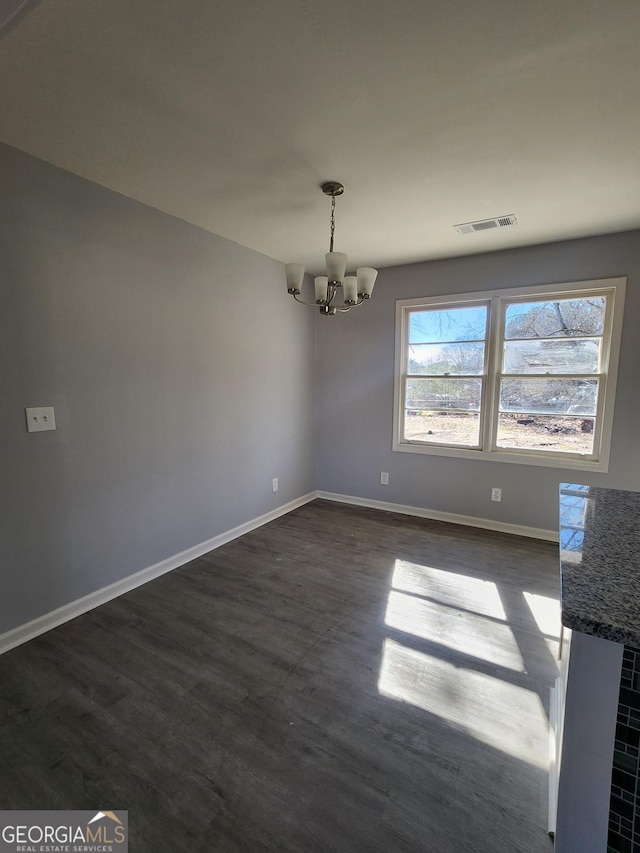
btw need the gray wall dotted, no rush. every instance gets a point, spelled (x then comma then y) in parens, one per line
(355, 389)
(182, 379)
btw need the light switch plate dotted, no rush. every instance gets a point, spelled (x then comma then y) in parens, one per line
(40, 418)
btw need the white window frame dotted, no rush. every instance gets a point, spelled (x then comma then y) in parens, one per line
(613, 288)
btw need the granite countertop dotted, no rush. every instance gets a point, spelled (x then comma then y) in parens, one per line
(600, 562)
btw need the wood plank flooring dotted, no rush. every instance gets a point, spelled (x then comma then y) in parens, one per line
(341, 680)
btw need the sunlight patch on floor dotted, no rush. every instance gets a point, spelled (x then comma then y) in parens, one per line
(457, 590)
(464, 632)
(466, 673)
(546, 612)
(496, 712)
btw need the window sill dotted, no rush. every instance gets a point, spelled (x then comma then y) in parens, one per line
(519, 458)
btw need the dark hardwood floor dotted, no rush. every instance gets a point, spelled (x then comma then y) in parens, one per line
(339, 680)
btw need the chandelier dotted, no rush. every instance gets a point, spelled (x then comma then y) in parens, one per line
(355, 288)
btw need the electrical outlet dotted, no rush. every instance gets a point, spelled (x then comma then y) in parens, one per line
(40, 418)
(496, 494)
(274, 483)
(384, 478)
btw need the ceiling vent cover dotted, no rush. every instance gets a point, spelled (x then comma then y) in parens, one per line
(486, 224)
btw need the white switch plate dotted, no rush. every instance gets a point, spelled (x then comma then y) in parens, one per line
(40, 418)
(274, 484)
(384, 478)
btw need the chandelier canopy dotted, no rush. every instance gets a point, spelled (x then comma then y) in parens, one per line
(355, 288)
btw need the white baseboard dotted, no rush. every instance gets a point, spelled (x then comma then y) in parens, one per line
(44, 623)
(451, 517)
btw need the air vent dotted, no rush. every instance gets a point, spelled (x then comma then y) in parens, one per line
(486, 224)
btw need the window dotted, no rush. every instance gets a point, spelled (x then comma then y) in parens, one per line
(524, 375)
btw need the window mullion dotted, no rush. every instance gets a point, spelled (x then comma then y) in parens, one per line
(494, 363)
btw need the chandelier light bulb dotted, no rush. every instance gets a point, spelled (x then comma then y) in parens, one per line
(336, 266)
(350, 288)
(295, 277)
(322, 288)
(366, 279)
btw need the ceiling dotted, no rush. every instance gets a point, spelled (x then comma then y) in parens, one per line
(431, 112)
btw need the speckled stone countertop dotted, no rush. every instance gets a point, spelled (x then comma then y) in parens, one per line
(600, 562)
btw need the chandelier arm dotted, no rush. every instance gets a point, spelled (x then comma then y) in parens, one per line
(356, 304)
(328, 303)
(302, 302)
(346, 308)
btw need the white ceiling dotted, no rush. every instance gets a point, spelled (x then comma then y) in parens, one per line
(431, 112)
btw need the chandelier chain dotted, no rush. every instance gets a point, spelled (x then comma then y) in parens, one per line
(333, 221)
